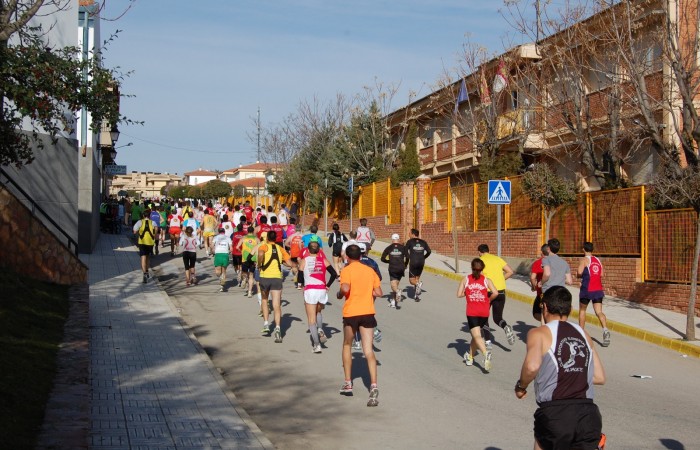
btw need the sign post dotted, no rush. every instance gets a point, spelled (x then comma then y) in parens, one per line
(499, 194)
(114, 169)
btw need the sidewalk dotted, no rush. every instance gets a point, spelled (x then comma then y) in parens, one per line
(654, 325)
(153, 386)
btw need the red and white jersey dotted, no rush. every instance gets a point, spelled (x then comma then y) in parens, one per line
(174, 221)
(314, 271)
(595, 272)
(237, 237)
(477, 293)
(189, 244)
(364, 235)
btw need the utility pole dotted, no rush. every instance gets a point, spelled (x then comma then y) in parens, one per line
(538, 17)
(258, 124)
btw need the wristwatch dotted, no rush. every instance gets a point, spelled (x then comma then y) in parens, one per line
(518, 387)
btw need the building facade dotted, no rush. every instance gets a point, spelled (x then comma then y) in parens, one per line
(144, 184)
(199, 176)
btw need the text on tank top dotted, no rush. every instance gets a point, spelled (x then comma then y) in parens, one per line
(477, 293)
(567, 368)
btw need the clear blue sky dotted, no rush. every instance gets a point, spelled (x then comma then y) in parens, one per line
(202, 68)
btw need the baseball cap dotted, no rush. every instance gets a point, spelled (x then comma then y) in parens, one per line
(363, 247)
(314, 238)
(395, 237)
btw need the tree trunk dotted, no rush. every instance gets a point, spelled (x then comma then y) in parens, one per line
(547, 223)
(690, 322)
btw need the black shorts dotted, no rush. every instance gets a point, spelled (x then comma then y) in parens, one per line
(365, 321)
(236, 260)
(595, 296)
(248, 266)
(568, 424)
(473, 321)
(189, 258)
(145, 250)
(294, 259)
(415, 270)
(395, 275)
(270, 284)
(537, 305)
(337, 253)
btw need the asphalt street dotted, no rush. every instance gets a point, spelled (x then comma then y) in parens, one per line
(428, 397)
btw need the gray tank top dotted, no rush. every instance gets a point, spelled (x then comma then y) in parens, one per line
(567, 367)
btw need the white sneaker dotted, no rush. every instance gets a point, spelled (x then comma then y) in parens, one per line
(487, 361)
(392, 304)
(468, 359)
(489, 345)
(419, 288)
(317, 349)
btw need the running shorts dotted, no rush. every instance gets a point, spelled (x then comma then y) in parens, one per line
(364, 321)
(189, 258)
(415, 270)
(587, 296)
(270, 284)
(315, 296)
(236, 260)
(174, 231)
(248, 267)
(568, 424)
(220, 259)
(537, 305)
(395, 275)
(473, 321)
(209, 233)
(145, 250)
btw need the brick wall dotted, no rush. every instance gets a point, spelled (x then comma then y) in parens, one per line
(35, 251)
(663, 295)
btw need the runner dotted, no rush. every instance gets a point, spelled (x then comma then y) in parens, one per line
(564, 365)
(248, 246)
(199, 217)
(351, 241)
(314, 266)
(294, 244)
(237, 215)
(369, 262)
(418, 250)
(222, 249)
(498, 271)
(590, 270)
(262, 228)
(479, 292)
(248, 212)
(190, 221)
(155, 218)
(365, 234)
(270, 259)
(209, 227)
(174, 230)
(144, 230)
(163, 224)
(555, 271)
(360, 286)
(189, 243)
(228, 227)
(277, 228)
(283, 215)
(396, 256)
(290, 229)
(305, 239)
(236, 253)
(336, 239)
(536, 273)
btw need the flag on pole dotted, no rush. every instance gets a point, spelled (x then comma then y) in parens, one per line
(462, 96)
(484, 90)
(500, 81)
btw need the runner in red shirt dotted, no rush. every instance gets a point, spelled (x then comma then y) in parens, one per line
(536, 273)
(476, 288)
(262, 228)
(590, 269)
(277, 228)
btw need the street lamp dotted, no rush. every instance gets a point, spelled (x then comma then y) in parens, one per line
(114, 134)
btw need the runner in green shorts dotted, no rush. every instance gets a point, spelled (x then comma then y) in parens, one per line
(222, 250)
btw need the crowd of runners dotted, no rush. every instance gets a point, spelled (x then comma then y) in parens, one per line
(266, 247)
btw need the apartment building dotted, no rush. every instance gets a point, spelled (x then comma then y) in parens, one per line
(145, 184)
(595, 98)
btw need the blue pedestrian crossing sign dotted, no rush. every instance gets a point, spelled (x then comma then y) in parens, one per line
(499, 192)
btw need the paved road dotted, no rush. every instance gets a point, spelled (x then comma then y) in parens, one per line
(428, 397)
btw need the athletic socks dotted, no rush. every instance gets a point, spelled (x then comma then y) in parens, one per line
(319, 320)
(314, 335)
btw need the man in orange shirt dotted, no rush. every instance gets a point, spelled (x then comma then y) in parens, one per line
(360, 285)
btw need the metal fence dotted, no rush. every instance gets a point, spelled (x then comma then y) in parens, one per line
(670, 241)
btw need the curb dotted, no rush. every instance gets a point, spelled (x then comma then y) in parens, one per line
(676, 345)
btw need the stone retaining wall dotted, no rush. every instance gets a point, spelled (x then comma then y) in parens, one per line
(32, 249)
